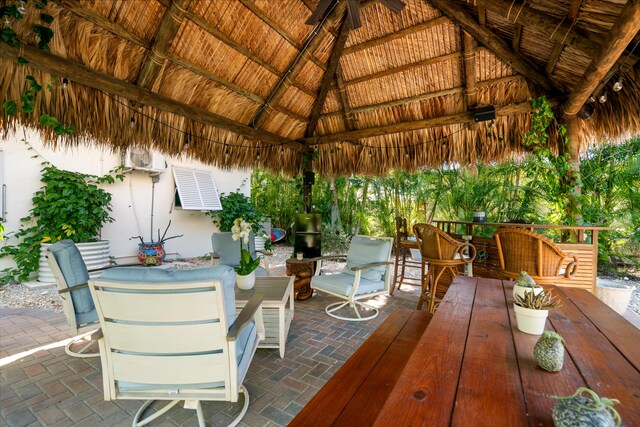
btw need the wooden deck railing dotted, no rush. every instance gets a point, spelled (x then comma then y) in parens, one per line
(488, 265)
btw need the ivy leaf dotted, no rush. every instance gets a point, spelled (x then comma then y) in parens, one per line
(8, 36)
(47, 120)
(41, 4)
(45, 34)
(10, 107)
(48, 19)
(22, 60)
(11, 11)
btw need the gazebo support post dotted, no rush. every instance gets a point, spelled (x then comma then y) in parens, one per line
(573, 176)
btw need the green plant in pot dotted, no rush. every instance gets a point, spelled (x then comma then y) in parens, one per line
(532, 311)
(69, 205)
(525, 283)
(236, 205)
(585, 408)
(246, 278)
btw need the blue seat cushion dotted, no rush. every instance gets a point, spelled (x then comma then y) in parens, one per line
(74, 271)
(229, 250)
(342, 284)
(363, 250)
(224, 273)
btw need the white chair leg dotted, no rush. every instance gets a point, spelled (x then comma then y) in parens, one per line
(237, 420)
(82, 353)
(338, 305)
(200, 415)
(145, 405)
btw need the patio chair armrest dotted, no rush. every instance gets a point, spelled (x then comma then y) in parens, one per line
(74, 288)
(321, 258)
(571, 268)
(245, 316)
(265, 253)
(214, 255)
(369, 265)
(472, 249)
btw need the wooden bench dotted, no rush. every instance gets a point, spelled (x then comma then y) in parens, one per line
(357, 392)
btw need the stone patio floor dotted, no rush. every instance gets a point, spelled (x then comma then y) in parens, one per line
(41, 386)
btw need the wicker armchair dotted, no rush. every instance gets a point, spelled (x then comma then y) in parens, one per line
(525, 250)
(443, 254)
(402, 246)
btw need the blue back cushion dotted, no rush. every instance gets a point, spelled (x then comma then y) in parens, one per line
(363, 250)
(75, 273)
(229, 249)
(224, 273)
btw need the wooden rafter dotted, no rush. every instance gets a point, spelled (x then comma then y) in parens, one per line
(553, 59)
(167, 30)
(621, 34)
(328, 77)
(453, 119)
(396, 35)
(469, 64)
(406, 67)
(296, 66)
(343, 96)
(280, 30)
(493, 42)
(517, 35)
(482, 13)
(86, 76)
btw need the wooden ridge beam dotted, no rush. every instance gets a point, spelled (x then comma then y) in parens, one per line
(167, 31)
(394, 70)
(621, 34)
(281, 31)
(296, 66)
(493, 42)
(397, 35)
(76, 8)
(430, 95)
(230, 86)
(469, 64)
(84, 75)
(328, 77)
(452, 119)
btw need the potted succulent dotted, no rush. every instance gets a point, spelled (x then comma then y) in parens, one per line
(246, 276)
(549, 351)
(525, 283)
(590, 410)
(532, 311)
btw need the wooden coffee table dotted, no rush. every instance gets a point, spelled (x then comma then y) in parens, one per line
(278, 291)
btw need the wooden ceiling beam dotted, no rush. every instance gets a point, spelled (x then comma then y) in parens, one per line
(86, 76)
(395, 70)
(621, 34)
(453, 119)
(167, 31)
(280, 30)
(517, 35)
(328, 77)
(343, 96)
(482, 13)
(94, 17)
(396, 35)
(494, 43)
(553, 59)
(296, 66)
(469, 65)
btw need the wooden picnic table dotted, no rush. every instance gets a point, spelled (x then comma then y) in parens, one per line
(472, 366)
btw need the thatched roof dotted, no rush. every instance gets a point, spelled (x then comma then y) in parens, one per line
(249, 83)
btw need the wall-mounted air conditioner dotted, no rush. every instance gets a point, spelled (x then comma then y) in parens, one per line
(143, 159)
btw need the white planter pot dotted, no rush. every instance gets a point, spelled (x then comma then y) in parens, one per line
(520, 290)
(94, 254)
(530, 321)
(614, 293)
(246, 282)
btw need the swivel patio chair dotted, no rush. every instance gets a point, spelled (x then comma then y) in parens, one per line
(403, 245)
(367, 274)
(71, 276)
(226, 251)
(174, 335)
(443, 254)
(525, 250)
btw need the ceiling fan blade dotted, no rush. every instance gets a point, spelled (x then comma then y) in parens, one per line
(353, 10)
(395, 5)
(318, 14)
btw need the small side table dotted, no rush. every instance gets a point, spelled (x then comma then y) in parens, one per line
(302, 269)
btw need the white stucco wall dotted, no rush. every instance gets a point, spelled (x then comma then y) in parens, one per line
(131, 202)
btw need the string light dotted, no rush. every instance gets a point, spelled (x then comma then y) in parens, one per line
(617, 86)
(258, 154)
(6, 21)
(65, 82)
(20, 6)
(592, 98)
(603, 98)
(132, 123)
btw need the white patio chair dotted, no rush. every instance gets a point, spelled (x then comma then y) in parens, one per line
(367, 274)
(174, 335)
(71, 276)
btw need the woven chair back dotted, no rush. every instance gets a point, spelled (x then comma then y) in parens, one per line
(435, 244)
(525, 250)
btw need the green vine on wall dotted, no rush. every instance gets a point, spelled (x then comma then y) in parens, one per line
(44, 34)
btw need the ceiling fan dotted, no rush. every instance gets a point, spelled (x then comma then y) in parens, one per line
(353, 10)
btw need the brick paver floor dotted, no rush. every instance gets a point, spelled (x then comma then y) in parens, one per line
(41, 386)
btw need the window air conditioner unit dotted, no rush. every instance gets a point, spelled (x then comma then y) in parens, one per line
(143, 159)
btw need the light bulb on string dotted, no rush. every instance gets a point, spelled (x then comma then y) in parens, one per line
(592, 98)
(603, 98)
(65, 82)
(20, 7)
(258, 154)
(132, 123)
(6, 21)
(617, 86)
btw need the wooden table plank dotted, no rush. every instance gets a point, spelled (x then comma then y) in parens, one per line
(619, 331)
(424, 394)
(540, 386)
(365, 406)
(489, 387)
(326, 405)
(605, 370)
